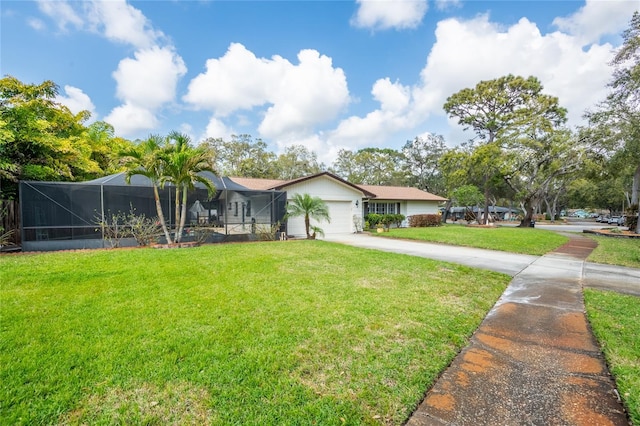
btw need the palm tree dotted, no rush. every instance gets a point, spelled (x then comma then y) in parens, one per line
(148, 160)
(311, 208)
(184, 163)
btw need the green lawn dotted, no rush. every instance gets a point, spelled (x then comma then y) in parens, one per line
(615, 319)
(616, 251)
(516, 240)
(296, 332)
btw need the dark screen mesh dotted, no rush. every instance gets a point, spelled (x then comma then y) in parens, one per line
(71, 211)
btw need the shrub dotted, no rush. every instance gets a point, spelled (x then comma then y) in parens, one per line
(374, 219)
(424, 220)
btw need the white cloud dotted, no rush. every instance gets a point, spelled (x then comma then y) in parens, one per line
(448, 4)
(76, 100)
(598, 18)
(149, 79)
(145, 84)
(217, 129)
(62, 13)
(392, 96)
(238, 80)
(36, 24)
(387, 14)
(301, 96)
(121, 22)
(468, 51)
(130, 119)
(307, 94)
(114, 19)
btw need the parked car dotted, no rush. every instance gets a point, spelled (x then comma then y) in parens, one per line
(621, 221)
(613, 220)
(603, 219)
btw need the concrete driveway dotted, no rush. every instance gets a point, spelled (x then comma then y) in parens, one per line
(616, 278)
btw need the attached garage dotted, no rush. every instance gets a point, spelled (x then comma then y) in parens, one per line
(343, 199)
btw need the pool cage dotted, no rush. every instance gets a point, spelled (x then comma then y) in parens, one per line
(68, 215)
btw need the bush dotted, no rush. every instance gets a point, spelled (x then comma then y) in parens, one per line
(374, 219)
(424, 220)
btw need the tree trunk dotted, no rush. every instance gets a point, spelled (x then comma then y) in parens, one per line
(307, 225)
(445, 214)
(486, 201)
(529, 207)
(163, 223)
(183, 216)
(177, 215)
(635, 190)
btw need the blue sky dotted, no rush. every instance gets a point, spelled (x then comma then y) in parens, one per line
(325, 74)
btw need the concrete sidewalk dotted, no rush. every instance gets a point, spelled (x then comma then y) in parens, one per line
(533, 360)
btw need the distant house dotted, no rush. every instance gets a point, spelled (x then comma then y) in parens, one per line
(348, 203)
(496, 212)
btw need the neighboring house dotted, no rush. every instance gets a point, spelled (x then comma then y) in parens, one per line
(496, 212)
(348, 203)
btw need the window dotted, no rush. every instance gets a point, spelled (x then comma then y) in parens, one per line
(248, 208)
(383, 208)
(235, 213)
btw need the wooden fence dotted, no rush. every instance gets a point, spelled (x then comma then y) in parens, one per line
(10, 219)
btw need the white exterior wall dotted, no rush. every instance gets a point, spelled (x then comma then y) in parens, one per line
(340, 198)
(421, 207)
(409, 208)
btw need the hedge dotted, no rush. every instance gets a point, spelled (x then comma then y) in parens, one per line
(424, 220)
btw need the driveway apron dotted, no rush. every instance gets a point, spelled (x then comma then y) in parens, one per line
(533, 360)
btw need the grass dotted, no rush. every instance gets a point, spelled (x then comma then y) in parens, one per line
(616, 251)
(615, 319)
(515, 240)
(290, 333)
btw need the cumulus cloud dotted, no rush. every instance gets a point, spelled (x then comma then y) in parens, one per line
(598, 18)
(299, 96)
(146, 82)
(114, 19)
(238, 80)
(129, 119)
(468, 51)
(387, 14)
(76, 100)
(121, 22)
(149, 79)
(62, 13)
(217, 129)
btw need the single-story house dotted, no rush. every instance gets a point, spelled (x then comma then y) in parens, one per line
(67, 215)
(348, 203)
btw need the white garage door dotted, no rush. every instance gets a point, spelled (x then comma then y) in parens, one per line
(341, 218)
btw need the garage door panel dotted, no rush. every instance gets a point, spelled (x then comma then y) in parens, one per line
(341, 218)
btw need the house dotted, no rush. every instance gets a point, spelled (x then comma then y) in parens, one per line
(71, 215)
(348, 203)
